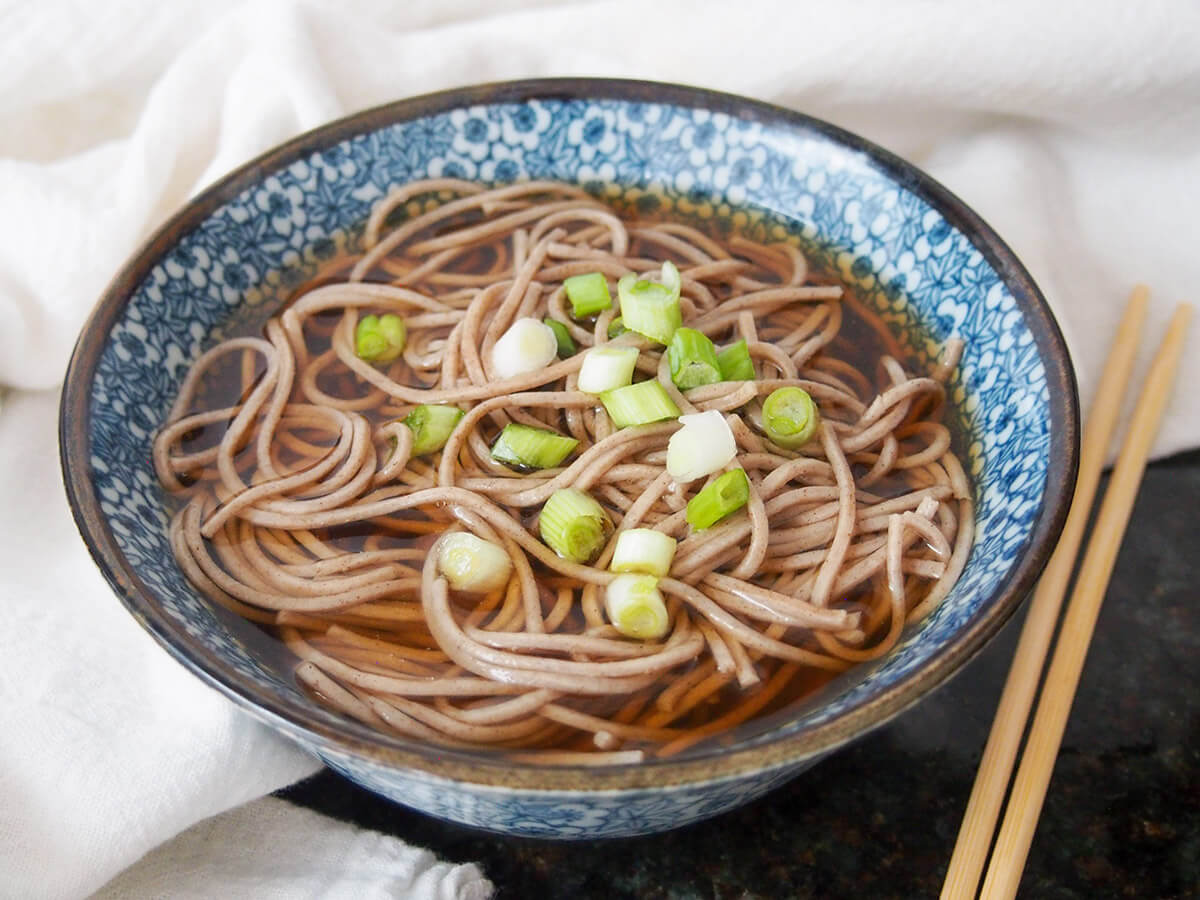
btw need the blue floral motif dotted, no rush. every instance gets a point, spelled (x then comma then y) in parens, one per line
(562, 814)
(284, 205)
(906, 259)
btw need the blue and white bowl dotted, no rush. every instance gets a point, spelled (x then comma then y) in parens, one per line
(913, 251)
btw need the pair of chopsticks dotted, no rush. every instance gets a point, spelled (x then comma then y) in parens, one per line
(1045, 735)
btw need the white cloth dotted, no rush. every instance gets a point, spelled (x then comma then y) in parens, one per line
(1072, 127)
(109, 747)
(269, 850)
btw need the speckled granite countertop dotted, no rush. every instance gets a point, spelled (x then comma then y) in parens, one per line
(879, 819)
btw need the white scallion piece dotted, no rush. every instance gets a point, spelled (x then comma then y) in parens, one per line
(645, 551)
(636, 608)
(606, 368)
(574, 525)
(702, 446)
(527, 346)
(472, 564)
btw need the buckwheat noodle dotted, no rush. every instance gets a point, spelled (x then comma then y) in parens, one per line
(303, 509)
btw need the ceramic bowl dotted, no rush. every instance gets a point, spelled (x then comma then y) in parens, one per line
(912, 250)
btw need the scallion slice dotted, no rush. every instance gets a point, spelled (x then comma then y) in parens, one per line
(650, 308)
(734, 362)
(704, 445)
(635, 607)
(431, 427)
(639, 404)
(531, 448)
(727, 493)
(607, 368)
(566, 344)
(529, 345)
(472, 564)
(693, 359)
(588, 294)
(790, 417)
(645, 551)
(616, 328)
(380, 339)
(574, 525)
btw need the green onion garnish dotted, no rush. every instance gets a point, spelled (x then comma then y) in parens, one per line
(727, 494)
(635, 607)
(644, 551)
(639, 404)
(790, 417)
(607, 368)
(649, 308)
(574, 525)
(531, 448)
(588, 294)
(472, 564)
(693, 359)
(431, 427)
(566, 346)
(734, 362)
(616, 328)
(380, 339)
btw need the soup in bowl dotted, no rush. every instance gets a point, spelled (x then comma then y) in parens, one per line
(572, 458)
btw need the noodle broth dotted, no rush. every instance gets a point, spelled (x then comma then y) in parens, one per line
(760, 616)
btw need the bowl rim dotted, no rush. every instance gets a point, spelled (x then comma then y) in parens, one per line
(764, 752)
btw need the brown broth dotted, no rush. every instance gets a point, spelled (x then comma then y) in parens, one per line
(860, 343)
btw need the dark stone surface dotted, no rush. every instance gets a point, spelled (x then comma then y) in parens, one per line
(1122, 818)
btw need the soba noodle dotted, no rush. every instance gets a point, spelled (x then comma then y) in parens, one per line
(304, 509)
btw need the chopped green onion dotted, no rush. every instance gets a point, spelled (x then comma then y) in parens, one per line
(380, 339)
(702, 446)
(528, 346)
(649, 308)
(790, 417)
(693, 359)
(639, 404)
(727, 493)
(431, 427)
(472, 564)
(606, 368)
(643, 550)
(566, 346)
(635, 607)
(588, 294)
(616, 328)
(574, 525)
(734, 362)
(531, 448)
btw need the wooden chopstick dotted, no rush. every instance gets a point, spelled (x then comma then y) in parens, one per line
(1062, 678)
(995, 768)
(975, 835)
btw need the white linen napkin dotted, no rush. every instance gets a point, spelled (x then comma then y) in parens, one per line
(109, 747)
(1073, 128)
(269, 850)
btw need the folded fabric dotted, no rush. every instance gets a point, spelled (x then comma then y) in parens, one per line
(271, 850)
(109, 746)
(1071, 127)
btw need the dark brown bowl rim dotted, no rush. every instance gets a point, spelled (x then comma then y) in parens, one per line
(480, 769)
